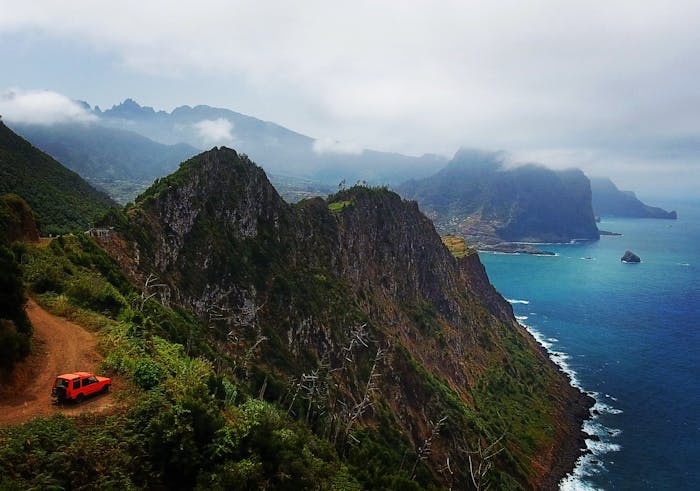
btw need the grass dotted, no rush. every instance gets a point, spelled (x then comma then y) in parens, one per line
(457, 246)
(339, 206)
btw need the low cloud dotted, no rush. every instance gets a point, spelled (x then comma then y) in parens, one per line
(215, 131)
(328, 145)
(42, 107)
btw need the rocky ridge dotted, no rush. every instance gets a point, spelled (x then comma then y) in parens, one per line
(405, 343)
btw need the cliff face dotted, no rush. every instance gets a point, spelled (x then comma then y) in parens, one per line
(351, 313)
(608, 200)
(476, 197)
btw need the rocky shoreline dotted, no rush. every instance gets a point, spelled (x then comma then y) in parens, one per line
(570, 446)
(570, 440)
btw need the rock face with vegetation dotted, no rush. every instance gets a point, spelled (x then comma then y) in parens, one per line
(608, 200)
(351, 316)
(61, 199)
(476, 196)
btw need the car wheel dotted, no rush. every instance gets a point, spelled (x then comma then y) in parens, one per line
(105, 389)
(79, 398)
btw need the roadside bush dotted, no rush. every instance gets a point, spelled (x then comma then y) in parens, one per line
(94, 292)
(147, 373)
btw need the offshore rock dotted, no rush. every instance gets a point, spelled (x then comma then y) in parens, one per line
(630, 257)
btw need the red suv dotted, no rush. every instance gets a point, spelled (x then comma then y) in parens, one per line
(78, 385)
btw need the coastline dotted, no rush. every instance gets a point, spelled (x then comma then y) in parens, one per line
(569, 446)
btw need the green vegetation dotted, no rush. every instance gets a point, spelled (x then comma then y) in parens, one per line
(302, 369)
(62, 201)
(457, 246)
(339, 206)
(189, 425)
(15, 328)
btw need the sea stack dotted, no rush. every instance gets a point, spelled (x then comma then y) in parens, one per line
(630, 257)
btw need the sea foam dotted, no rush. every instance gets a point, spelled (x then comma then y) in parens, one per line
(590, 463)
(516, 301)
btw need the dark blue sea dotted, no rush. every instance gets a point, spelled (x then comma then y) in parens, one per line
(629, 334)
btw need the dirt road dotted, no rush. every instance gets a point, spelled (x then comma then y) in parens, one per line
(60, 346)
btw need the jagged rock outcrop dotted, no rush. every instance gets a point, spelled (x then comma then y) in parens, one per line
(608, 200)
(630, 257)
(476, 196)
(351, 313)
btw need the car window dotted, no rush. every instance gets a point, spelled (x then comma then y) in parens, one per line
(86, 381)
(76, 384)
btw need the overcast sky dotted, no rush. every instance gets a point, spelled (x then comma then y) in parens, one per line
(611, 87)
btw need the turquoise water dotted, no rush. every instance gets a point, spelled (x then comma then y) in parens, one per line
(629, 334)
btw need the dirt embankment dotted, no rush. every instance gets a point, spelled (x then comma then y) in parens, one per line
(60, 346)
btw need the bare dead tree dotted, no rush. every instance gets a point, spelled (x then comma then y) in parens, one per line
(358, 337)
(149, 290)
(481, 462)
(426, 447)
(356, 411)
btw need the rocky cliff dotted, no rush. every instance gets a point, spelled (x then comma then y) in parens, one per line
(608, 200)
(476, 196)
(350, 313)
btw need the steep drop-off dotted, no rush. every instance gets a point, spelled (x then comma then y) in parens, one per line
(477, 197)
(352, 315)
(608, 200)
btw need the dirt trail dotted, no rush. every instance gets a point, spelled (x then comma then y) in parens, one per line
(60, 346)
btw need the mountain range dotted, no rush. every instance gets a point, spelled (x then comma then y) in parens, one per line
(278, 149)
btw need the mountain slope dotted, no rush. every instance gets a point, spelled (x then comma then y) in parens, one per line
(475, 196)
(122, 162)
(62, 201)
(608, 200)
(353, 316)
(277, 149)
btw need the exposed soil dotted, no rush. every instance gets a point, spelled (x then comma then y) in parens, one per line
(59, 346)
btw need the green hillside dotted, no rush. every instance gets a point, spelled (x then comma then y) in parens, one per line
(62, 200)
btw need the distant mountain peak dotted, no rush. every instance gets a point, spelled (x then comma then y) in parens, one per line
(129, 109)
(609, 200)
(471, 158)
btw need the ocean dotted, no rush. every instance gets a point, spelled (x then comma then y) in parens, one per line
(629, 334)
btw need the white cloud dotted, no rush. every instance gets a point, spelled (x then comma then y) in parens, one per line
(328, 145)
(215, 131)
(579, 78)
(41, 107)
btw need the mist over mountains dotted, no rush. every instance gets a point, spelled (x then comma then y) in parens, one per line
(280, 150)
(124, 148)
